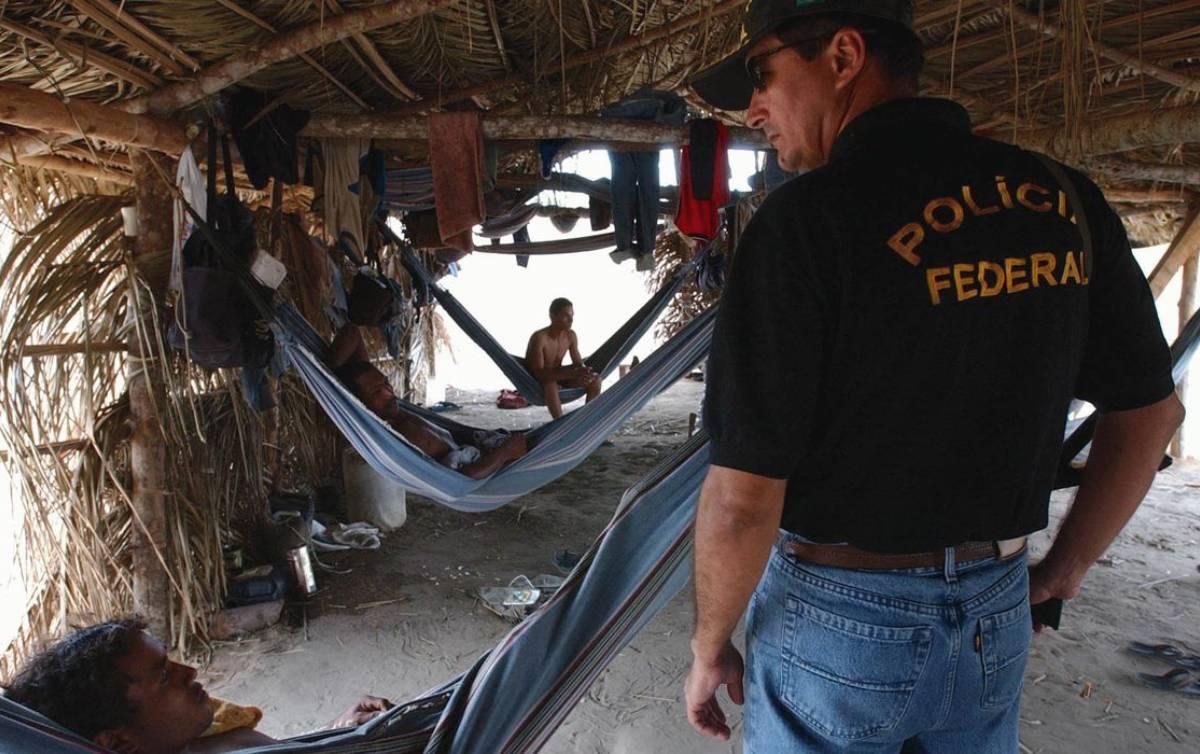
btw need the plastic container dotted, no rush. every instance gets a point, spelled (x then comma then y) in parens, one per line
(267, 269)
(371, 497)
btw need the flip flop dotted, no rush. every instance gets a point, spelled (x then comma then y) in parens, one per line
(1168, 652)
(1177, 680)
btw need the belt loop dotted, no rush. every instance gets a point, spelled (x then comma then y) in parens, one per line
(949, 566)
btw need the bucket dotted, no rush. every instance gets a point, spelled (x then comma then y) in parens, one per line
(370, 496)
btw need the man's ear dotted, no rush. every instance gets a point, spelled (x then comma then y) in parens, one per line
(848, 51)
(118, 740)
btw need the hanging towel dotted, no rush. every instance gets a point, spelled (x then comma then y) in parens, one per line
(343, 209)
(699, 217)
(190, 183)
(456, 155)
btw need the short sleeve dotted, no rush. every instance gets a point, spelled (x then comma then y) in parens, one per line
(767, 353)
(1126, 362)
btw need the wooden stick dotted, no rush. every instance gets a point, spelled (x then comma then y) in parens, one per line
(1119, 133)
(77, 167)
(1127, 170)
(1184, 245)
(64, 349)
(122, 33)
(123, 15)
(401, 89)
(288, 45)
(1187, 307)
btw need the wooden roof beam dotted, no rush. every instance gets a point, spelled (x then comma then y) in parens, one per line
(29, 108)
(1119, 133)
(309, 60)
(74, 167)
(523, 127)
(286, 46)
(1128, 170)
(1052, 31)
(1184, 246)
(122, 14)
(583, 58)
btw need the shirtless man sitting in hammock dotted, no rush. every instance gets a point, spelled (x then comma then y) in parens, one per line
(113, 684)
(544, 357)
(486, 452)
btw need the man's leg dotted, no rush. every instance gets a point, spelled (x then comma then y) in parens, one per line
(593, 389)
(494, 459)
(553, 403)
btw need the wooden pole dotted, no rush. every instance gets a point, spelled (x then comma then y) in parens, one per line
(286, 46)
(1127, 170)
(76, 167)
(386, 126)
(1182, 247)
(1187, 307)
(29, 108)
(151, 586)
(1152, 127)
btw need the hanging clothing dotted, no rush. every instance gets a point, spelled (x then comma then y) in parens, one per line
(267, 142)
(548, 149)
(600, 213)
(456, 155)
(635, 192)
(190, 183)
(699, 217)
(343, 208)
(702, 153)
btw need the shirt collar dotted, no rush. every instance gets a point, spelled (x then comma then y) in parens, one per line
(899, 119)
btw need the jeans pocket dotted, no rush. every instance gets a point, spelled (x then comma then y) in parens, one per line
(1003, 647)
(849, 679)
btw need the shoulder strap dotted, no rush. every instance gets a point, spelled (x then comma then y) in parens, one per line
(1077, 207)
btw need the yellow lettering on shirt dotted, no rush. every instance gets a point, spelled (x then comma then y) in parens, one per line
(1002, 188)
(1071, 270)
(987, 289)
(938, 280)
(1014, 270)
(1023, 192)
(905, 241)
(945, 202)
(1043, 264)
(976, 210)
(963, 282)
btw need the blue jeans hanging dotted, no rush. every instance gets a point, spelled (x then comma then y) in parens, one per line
(635, 194)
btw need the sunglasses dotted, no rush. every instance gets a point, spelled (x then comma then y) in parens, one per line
(754, 64)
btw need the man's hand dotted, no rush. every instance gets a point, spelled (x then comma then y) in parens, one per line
(700, 690)
(366, 708)
(1048, 580)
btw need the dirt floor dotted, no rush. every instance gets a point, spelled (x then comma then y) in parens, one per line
(396, 621)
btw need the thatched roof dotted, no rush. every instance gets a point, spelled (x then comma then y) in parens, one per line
(1018, 66)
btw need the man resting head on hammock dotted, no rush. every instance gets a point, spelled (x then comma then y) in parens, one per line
(545, 353)
(113, 684)
(490, 451)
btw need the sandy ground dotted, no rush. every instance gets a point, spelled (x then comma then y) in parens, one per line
(399, 620)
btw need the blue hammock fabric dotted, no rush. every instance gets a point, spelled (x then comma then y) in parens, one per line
(604, 360)
(557, 447)
(514, 697)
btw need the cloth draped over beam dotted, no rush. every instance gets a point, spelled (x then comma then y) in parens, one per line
(557, 448)
(603, 361)
(513, 698)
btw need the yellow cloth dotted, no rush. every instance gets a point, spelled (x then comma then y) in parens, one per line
(228, 716)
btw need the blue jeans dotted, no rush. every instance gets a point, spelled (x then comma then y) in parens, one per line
(918, 660)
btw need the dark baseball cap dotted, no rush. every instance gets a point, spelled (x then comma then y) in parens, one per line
(727, 85)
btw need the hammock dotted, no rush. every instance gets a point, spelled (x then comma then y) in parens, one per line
(604, 360)
(513, 698)
(557, 447)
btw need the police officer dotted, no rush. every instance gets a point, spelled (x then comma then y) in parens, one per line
(904, 327)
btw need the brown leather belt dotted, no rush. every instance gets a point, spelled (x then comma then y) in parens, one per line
(849, 556)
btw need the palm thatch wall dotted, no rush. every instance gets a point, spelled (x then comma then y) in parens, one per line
(1110, 86)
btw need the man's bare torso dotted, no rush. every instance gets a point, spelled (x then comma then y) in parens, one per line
(553, 347)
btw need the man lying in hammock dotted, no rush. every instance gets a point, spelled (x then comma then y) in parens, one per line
(113, 684)
(544, 357)
(488, 453)
(369, 305)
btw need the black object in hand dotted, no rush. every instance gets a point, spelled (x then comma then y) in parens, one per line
(1047, 613)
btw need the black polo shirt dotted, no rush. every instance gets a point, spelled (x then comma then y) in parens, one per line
(904, 328)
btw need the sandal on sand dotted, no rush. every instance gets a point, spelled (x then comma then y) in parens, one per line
(1168, 652)
(1179, 680)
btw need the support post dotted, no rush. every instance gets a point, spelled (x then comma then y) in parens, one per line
(151, 586)
(1187, 307)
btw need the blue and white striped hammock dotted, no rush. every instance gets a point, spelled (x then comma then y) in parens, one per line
(513, 698)
(557, 447)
